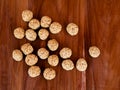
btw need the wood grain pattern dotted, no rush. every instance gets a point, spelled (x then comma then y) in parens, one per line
(103, 30)
(99, 25)
(13, 74)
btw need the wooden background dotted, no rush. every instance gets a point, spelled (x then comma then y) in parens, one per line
(99, 22)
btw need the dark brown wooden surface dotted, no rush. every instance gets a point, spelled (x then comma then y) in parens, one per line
(103, 30)
(99, 22)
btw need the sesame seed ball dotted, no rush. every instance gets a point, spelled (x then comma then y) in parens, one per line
(30, 35)
(94, 51)
(43, 34)
(55, 28)
(49, 73)
(53, 60)
(17, 55)
(45, 21)
(27, 15)
(65, 53)
(27, 48)
(19, 33)
(34, 71)
(31, 59)
(53, 44)
(34, 24)
(81, 64)
(72, 29)
(67, 64)
(43, 53)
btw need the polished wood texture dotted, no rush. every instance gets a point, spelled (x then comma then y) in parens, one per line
(103, 30)
(99, 22)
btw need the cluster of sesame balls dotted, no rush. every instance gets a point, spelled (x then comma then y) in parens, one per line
(47, 26)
